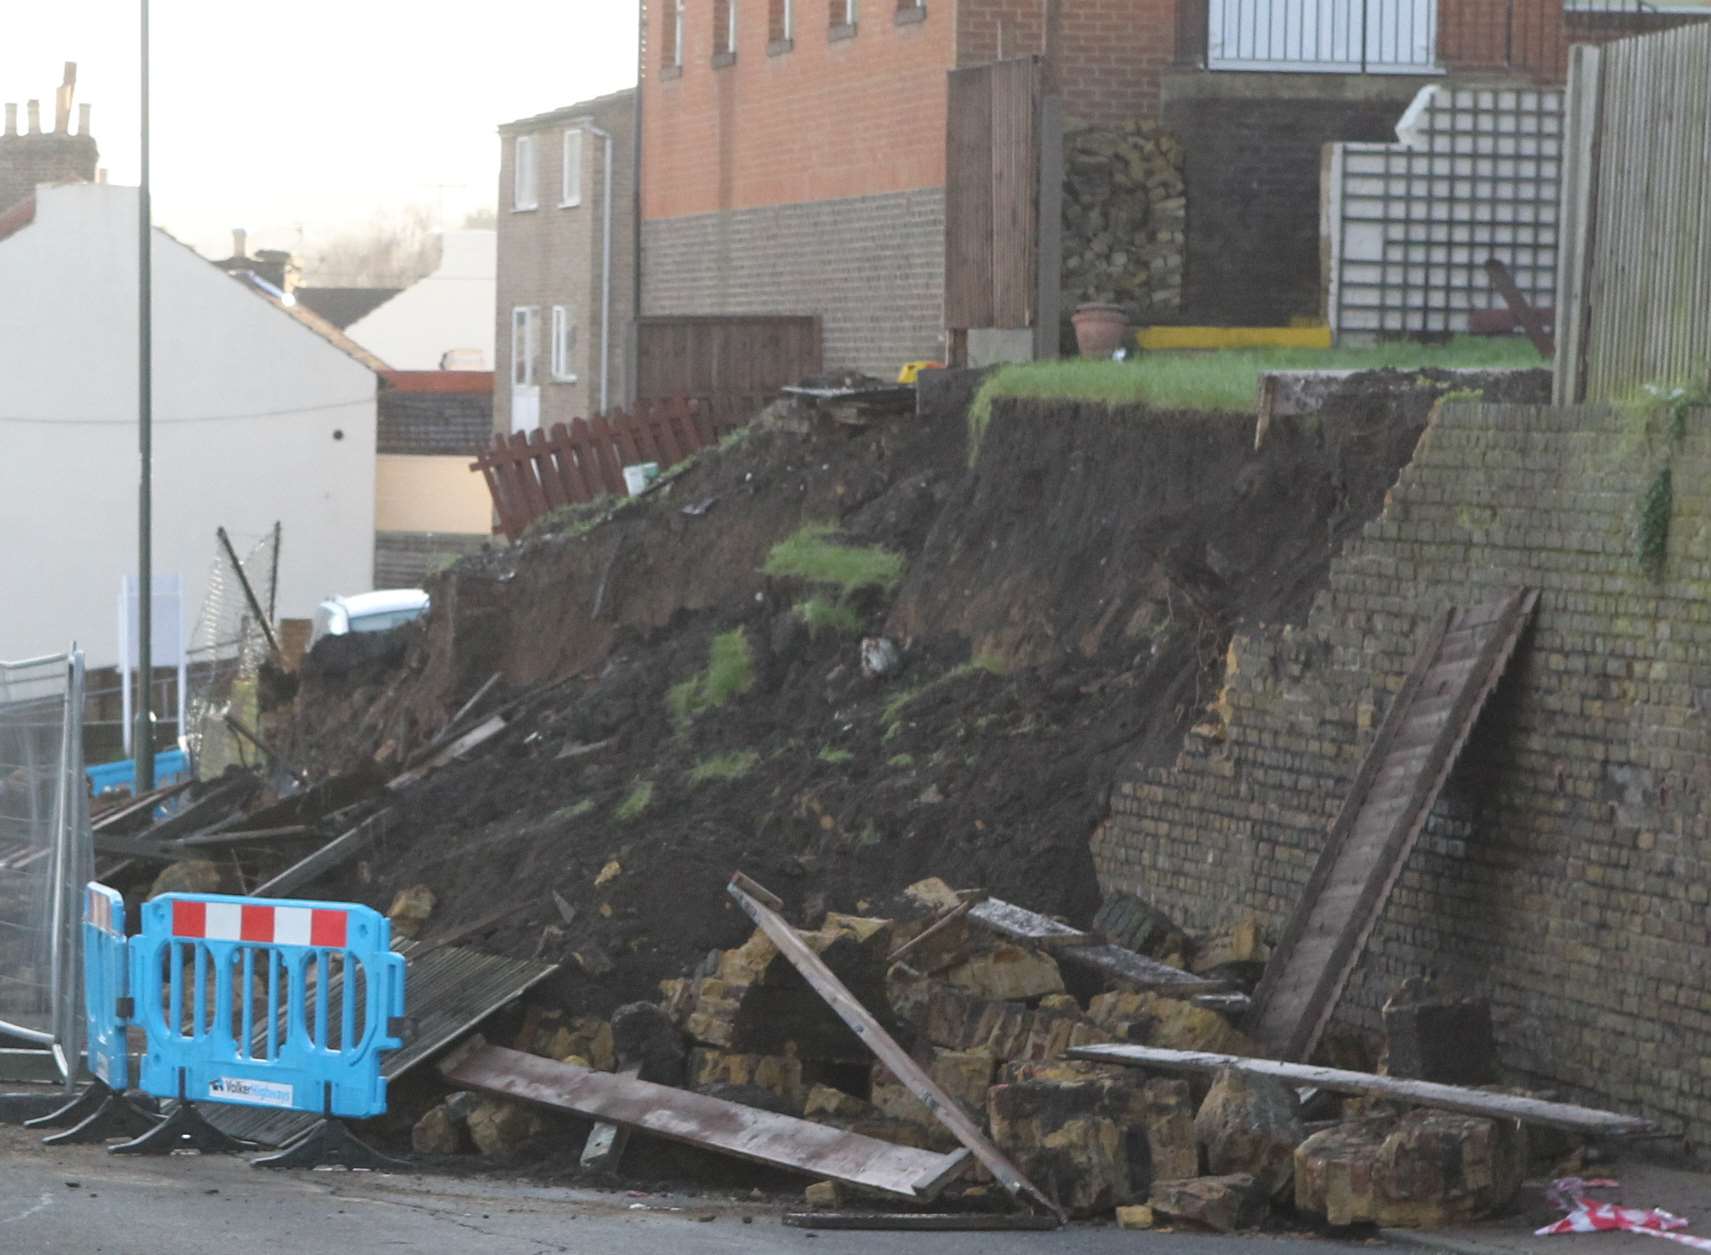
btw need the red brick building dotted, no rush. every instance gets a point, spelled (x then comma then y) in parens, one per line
(794, 150)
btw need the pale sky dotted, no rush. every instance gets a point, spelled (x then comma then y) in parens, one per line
(306, 116)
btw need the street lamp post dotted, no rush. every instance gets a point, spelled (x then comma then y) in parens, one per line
(142, 739)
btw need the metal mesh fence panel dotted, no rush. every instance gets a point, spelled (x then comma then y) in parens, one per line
(226, 652)
(46, 853)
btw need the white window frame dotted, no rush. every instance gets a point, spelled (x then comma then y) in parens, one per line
(525, 345)
(525, 178)
(730, 26)
(563, 343)
(570, 177)
(852, 12)
(789, 29)
(677, 40)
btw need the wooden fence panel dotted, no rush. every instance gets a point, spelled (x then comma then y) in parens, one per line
(1637, 219)
(724, 356)
(530, 474)
(992, 178)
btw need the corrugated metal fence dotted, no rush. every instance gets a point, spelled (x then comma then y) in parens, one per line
(1634, 283)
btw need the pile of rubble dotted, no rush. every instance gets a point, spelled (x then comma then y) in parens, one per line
(990, 1019)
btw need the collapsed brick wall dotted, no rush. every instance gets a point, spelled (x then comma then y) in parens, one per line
(1567, 869)
(1123, 211)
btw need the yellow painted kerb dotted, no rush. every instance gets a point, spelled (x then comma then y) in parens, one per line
(1235, 337)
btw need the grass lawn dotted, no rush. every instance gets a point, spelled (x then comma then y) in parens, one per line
(1226, 381)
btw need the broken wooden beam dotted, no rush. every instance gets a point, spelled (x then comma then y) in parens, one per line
(1464, 655)
(1073, 945)
(704, 1121)
(330, 856)
(944, 920)
(1520, 308)
(1472, 1102)
(923, 1222)
(873, 1035)
(483, 732)
(604, 1149)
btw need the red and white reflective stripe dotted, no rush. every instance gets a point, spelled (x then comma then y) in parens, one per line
(99, 911)
(1587, 1216)
(265, 925)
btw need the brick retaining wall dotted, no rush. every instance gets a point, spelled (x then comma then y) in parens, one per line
(1567, 869)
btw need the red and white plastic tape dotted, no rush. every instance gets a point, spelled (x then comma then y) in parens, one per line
(264, 925)
(1587, 1216)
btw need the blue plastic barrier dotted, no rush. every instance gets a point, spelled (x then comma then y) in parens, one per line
(266, 1003)
(170, 766)
(106, 985)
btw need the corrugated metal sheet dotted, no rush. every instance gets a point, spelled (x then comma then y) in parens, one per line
(448, 992)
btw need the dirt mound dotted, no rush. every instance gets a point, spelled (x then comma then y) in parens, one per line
(1064, 612)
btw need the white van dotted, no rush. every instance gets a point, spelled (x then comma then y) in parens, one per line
(379, 611)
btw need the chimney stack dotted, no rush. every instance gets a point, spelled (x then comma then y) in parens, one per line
(34, 108)
(240, 242)
(100, 174)
(83, 119)
(11, 119)
(62, 100)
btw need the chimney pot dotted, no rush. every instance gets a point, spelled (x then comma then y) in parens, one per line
(11, 119)
(34, 109)
(240, 242)
(100, 174)
(83, 119)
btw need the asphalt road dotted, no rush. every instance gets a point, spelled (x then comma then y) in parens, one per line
(81, 1201)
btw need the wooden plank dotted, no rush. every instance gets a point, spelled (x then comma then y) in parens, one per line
(873, 1035)
(968, 198)
(923, 1222)
(606, 1144)
(1473, 1102)
(328, 858)
(477, 736)
(1109, 960)
(1377, 828)
(139, 806)
(1015, 161)
(1520, 307)
(217, 804)
(700, 1120)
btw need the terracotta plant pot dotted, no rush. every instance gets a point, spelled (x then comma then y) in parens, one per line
(1099, 329)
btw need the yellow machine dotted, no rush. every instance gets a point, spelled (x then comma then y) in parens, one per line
(912, 370)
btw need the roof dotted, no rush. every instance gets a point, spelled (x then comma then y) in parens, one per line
(596, 105)
(453, 420)
(18, 216)
(344, 306)
(314, 322)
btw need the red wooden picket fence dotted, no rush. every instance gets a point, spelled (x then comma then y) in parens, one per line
(530, 474)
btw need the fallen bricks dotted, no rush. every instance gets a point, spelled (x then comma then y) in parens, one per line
(861, 1021)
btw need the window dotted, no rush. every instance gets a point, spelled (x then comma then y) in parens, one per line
(523, 195)
(674, 37)
(525, 345)
(844, 13)
(563, 344)
(911, 11)
(781, 21)
(570, 191)
(724, 28)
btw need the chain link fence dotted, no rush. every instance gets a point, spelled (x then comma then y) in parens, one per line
(227, 648)
(46, 854)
